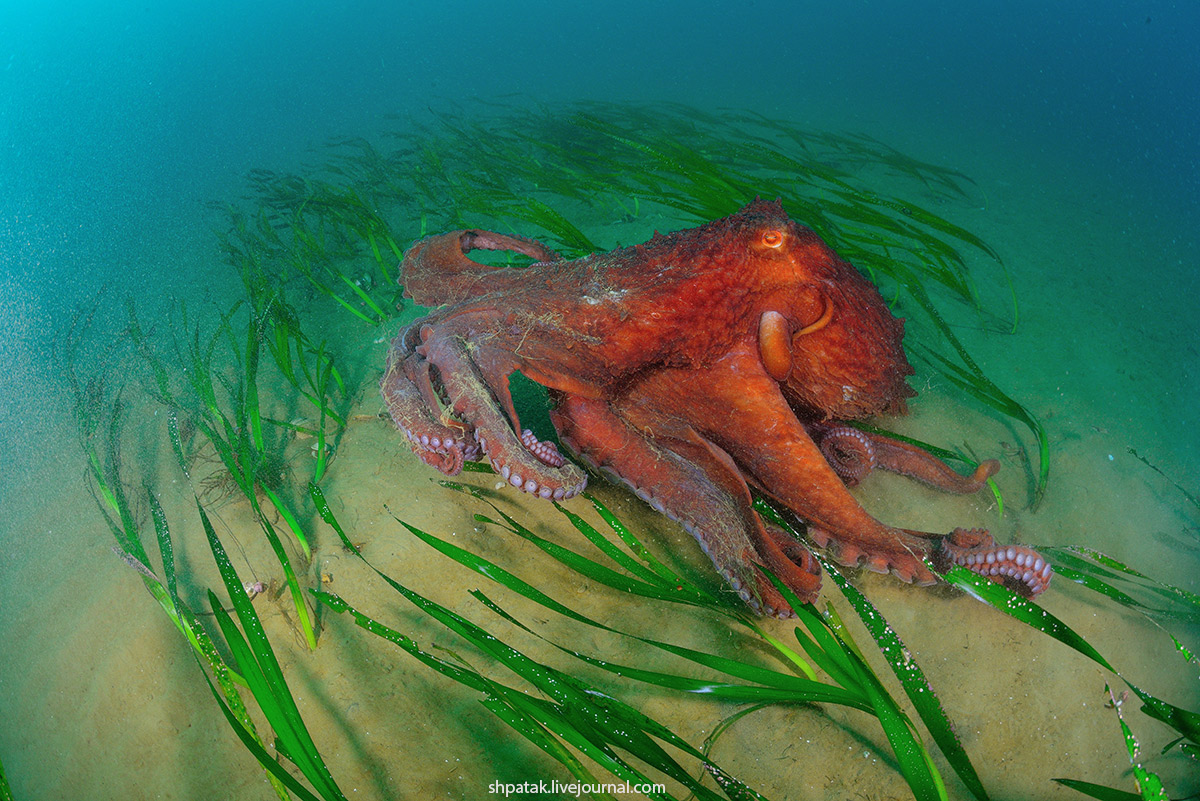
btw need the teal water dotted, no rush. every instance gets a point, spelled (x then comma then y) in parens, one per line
(121, 127)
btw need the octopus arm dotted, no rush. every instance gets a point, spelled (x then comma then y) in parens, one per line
(689, 479)
(853, 453)
(736, 404)
(436, 269)
(408, 391)
(1019, 567)
(466, 380)
(901, 457)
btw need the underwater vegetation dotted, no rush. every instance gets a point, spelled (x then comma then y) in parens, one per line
(244, 389)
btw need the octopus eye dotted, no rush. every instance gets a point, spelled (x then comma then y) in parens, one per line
(772, 238)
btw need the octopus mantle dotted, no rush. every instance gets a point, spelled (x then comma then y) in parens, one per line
(693, 368)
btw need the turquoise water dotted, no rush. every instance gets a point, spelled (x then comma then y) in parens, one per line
(124, 129)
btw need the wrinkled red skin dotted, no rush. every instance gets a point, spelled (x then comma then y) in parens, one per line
(692, 367)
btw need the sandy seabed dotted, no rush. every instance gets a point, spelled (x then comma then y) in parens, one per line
(103, 700)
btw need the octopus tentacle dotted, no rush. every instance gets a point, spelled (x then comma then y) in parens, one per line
(469, 397)
(789, 466)
(853, 552)
(853, 453)
(786, 556)
(476, 239)
(784, 460)
(1019, 567)
(909, 460)
(410, 397)
(436, 269)
(695, 484)
(544, 450)
(849, 452)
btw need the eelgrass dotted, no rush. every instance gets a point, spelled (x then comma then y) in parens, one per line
(566, 715)
(1150, 786)
(612, 723)
(226, 412)
(651, 579)
(102, 453)
(5, 790)
(254, 667)
(1121, 583)
(1186, 723)
(1191, 497)
(826, 644)
(318, 230)
(253, 655)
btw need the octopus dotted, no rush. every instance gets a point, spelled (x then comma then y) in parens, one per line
(698, 368)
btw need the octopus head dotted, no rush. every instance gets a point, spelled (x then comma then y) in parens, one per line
(825, 332)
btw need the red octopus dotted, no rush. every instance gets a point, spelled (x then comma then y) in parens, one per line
(693, 368)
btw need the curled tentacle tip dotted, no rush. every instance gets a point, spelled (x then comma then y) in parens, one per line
(545, 451)
(849, 452)
(986, 469)
(449, 462)
(1018, 567)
